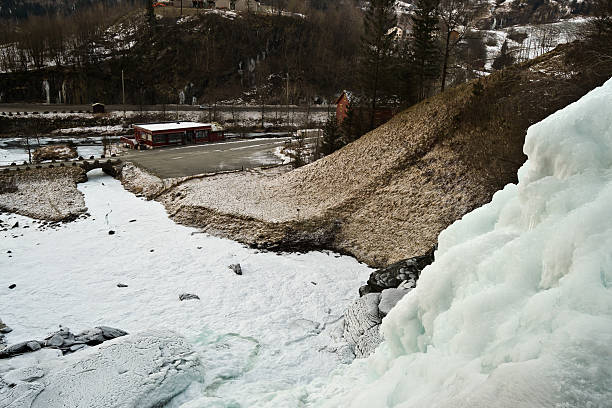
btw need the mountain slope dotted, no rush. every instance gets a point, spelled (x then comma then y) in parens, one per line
(388, 195)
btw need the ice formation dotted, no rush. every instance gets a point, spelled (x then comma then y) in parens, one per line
(516, 311)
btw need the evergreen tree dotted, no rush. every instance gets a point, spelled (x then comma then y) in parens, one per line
(377, 46)
(353, 126)
(150, 14)
(424, 50)
(331, 136)
(504, 59)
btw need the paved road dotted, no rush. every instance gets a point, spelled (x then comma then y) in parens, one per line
(205, 158)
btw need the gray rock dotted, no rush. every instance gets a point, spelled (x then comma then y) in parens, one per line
(4, 329)
(110, 333)
(389, 298)
(188, 296)
(236, 268)
(55, 341)
(65, 341)
(145, 370)
(361, 321)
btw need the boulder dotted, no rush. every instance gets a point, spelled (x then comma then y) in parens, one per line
(144, 370)
(361, 321)
(389, 298)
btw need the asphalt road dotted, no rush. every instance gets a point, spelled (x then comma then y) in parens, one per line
(205, 158)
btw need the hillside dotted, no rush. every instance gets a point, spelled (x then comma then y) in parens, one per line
(388, 195)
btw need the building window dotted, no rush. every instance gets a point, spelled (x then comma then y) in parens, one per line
(175, 138)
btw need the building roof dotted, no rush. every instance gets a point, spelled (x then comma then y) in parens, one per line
(156, 127)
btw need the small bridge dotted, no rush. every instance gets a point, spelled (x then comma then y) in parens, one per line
(107, 164)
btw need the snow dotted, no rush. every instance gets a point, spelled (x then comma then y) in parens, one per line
(263, 331)
(516, 310)
(154, 127)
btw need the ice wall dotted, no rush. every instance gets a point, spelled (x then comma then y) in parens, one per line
(516, 311)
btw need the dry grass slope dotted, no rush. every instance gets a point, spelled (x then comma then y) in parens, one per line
(388, 195)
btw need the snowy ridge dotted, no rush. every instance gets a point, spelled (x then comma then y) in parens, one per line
(516, 310)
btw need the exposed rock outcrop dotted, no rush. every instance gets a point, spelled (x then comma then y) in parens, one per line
(144, 370)
(392, 276)
(65, 341)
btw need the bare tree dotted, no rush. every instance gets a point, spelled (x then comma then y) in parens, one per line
(456, 20)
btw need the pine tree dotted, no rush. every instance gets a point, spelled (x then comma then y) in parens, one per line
(424, 50)
(150, 14)
(331, 136)
(504, 59)
(377, 46)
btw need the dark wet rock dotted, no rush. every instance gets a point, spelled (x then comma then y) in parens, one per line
(65, 340)
(12, 286)
(132, 220)
(16, 225)
(236, 268)
(122, 285)
(188, 296)
(111, 232)
(393, 275)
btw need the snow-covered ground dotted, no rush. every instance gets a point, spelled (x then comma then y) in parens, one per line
(261, 332)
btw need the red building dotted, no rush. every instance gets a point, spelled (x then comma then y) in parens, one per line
(153, 135)
(344, 101)
(342, 105)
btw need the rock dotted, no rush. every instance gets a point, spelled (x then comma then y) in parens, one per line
(55, 152)
(111, 232)
(393, 275)
(65, 341)
(188, 296)
(122, 285)
(16, 225)
(144, 370)
(110, 333)
(236, 268)
(55, 341)
(361, 321)
(12, 286)
(389, 298)
(4, 329)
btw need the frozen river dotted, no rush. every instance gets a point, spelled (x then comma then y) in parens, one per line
(267, 330)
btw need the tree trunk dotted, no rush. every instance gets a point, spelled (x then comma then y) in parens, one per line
(446, 55)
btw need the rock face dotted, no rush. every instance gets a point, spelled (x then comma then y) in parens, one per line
(56, 152)
(392, 276)
(143, 370)
(65, 341)
(361, 321)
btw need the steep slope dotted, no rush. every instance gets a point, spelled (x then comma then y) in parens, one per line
(389, 194)
(515, 311)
